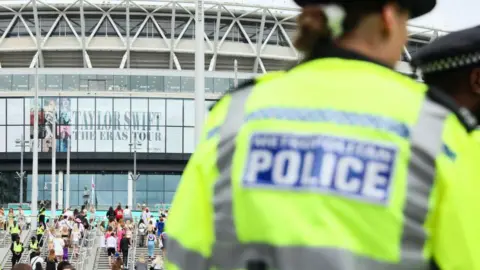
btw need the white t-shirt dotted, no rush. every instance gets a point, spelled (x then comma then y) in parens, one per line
(111, 242)
(127, 213)
(58, 245)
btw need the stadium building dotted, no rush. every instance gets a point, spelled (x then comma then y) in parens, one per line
(118, 78)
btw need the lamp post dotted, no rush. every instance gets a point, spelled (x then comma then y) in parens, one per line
(199, 70)
(134, 176)
(21, 175)
(52, 119)
(67, 184)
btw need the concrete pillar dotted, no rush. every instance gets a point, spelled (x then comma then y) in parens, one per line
(130, 191)
(60, 190)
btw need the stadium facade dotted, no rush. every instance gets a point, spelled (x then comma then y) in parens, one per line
(118, 78)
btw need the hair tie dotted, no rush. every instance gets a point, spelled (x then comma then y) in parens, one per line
(335, 16)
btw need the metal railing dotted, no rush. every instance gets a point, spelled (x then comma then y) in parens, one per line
(132, 253)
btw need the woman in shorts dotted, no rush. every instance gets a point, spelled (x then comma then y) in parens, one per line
(111, 247)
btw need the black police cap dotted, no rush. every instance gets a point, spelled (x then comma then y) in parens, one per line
(453, 51)
(417, 8)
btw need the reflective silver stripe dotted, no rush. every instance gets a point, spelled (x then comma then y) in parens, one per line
(305, 258)
(224, 225)
(183, 258)
(425, 145)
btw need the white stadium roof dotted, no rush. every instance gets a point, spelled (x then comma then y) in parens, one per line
(256, 32)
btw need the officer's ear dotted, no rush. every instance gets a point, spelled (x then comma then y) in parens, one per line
(475, 80)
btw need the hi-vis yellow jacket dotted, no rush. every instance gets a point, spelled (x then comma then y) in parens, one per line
(338, 164)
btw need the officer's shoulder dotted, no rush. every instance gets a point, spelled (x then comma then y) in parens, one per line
(241, 87)
(466, 118)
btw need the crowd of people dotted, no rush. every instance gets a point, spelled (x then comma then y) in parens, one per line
(117, 236)
(65, 233)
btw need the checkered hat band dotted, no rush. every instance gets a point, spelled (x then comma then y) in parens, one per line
(451, 63)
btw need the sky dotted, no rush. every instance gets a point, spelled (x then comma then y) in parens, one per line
(449, 15)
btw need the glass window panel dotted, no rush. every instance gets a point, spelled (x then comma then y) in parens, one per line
(3, 139)
(15, 111)
(67, 110)
(87, 81)
(188, 140)
(141, 197)
(157, 112)
(141, 183)
(157, 140)
(174, 112)
(54, 82)
(120, 197)
(106, 80)
(188, 84)
(169, 197)
(85, 181)
(86, 125)
(5, 82)
(121, 83)
(188, 112)
(139, 83)
(172, 83)
(155, 182)
(121, 139)
(13, 133)
(174, 140)
(73, 182)
(29, 182)
(121, 122)
(139, 123)
(47, 184)
(3, 111)
(20, 83)
(104, 198)
(171, 182)
(120, 182)
(71, 82)
(103, 182)
(155, 198)
(104, 129)
(221, 84)
(104, 140)
(209, 85)
(42, 82)
(156, 83)
(75, 198)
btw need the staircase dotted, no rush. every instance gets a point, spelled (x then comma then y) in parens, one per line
(25, 239)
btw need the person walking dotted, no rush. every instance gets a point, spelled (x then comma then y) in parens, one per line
(15, 230)
(111, 247)
(17, 249)
(124, 247)
(34, 247)
(51, 261)
(376, 154)
(142, 232)
(151, 244)
(58, 245)
(141, 264)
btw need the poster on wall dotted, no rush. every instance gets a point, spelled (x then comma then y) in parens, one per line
(64, 128)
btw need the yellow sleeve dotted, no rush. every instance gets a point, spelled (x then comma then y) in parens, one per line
(456, 230)
(189, 228)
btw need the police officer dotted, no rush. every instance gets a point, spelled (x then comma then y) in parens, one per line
(16, 248)
(41, 214)
(34, 247)
(365, 161)
(15, 230)
(40, 233)
(452, 63)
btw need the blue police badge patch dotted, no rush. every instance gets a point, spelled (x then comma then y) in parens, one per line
(319, 163)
